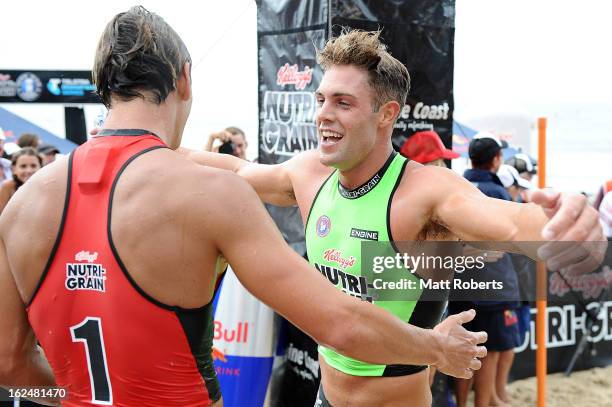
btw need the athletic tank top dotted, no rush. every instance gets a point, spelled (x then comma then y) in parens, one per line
(108, 342)
(342, 225)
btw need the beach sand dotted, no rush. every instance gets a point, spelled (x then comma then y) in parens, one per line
(588, 388)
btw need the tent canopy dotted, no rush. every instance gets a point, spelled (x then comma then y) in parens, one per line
(14, 125)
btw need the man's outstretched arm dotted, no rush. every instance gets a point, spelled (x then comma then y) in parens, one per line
(268, 268)
(552, 216)
(22, 361)
(272, 182)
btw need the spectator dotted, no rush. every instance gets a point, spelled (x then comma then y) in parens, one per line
(24, 163)
(48, 153)
(525, 165)
(28, 140)
(5, 164)
(604, 189)
(605, 214)
(513, 182)
(425, 147)
(233, 142)
(498, 318)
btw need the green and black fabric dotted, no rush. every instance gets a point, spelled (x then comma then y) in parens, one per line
(340, 221)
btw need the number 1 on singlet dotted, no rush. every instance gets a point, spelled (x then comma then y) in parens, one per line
(89, 331)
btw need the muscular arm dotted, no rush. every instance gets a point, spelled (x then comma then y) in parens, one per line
(22, 361)
(472, 216)
(271, 182)
(268, 268)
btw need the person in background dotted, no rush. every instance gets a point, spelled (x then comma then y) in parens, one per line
(496, 317)
(426, 147)
(513, 182)
(605, 214)
(5, 164)
(24, 163)
(28, 140)
(604, 189)
(48, 153)
(233, 141)
(526, 167)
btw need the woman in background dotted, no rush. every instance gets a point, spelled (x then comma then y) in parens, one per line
(24, 163)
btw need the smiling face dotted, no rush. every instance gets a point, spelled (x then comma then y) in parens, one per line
(347, 126)
(25, 167)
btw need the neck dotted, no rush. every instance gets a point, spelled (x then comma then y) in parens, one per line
(141, 114)
(369, 166)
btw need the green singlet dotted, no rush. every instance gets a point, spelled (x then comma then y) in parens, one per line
(340, 221)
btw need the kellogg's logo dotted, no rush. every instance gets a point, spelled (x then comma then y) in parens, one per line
(291, 75)
(335, 256)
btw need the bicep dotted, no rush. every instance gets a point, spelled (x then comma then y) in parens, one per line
(272, 271)
(17, 335)
(473, 216)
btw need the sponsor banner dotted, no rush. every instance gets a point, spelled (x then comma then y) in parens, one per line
(244, 341)
(243, 380)
(36, 86)
(421, 35)
(578, 306)
(289, 76)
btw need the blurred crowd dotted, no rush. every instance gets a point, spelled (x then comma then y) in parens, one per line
(19, 161)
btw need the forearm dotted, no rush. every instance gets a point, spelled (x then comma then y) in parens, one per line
(376, 336)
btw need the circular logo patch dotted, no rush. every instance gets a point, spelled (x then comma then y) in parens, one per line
(323, 226)
(29, 87)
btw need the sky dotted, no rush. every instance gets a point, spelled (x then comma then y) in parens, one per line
(526, 59)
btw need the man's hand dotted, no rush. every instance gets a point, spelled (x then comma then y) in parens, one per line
(572, 221)
(460, 348)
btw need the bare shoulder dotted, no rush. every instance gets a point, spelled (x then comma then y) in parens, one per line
(206, 187)
(306, 160)
(39, 201)
(306, 169)
(436, 180)
(7, 185)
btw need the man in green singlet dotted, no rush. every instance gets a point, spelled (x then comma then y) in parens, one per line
(353, 188)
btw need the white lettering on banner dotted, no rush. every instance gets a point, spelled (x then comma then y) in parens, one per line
(431, 112)
(301, 358)
(289, 122)
(566, 325)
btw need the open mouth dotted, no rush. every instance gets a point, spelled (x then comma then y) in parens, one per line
(330, 137)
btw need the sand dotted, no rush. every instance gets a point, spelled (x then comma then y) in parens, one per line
(589, 388)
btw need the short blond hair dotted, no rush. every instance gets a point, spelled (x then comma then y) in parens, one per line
(388, 77)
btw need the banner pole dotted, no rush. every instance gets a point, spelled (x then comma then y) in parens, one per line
(542, 289)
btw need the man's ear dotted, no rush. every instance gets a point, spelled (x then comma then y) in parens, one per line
(183, 84)
(388, 113)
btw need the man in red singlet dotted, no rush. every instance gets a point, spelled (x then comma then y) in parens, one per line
(110, 258)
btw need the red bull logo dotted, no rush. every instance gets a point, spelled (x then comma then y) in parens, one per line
(218, 355)
(239, 334)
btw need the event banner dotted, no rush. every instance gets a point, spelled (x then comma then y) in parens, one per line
(244, 340)
(579, 314)
(421, 34)
(47, 87)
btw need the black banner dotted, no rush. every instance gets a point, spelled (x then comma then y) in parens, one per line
(420, 34)
(47, 87)
(287, 34)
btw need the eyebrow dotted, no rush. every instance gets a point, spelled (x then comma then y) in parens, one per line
(336, 94)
